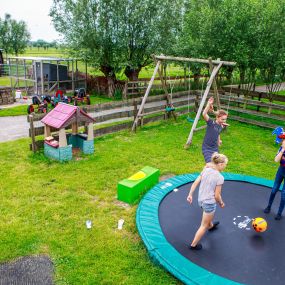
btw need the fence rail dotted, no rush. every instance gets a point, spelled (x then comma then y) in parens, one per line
(122, 113)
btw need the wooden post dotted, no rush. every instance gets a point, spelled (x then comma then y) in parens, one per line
(42, 77)
(57, 74)
(207, 90)
(10, 75)
(85, 75)
(135, 110)
(145, 95)
(62, 138)
(25, 75)
(168, 98)
(32, 130)
(74, 128)
(90, 132)
(47, 131)
(72, 76)
(185, 83)
(216, 94)
(125, 91)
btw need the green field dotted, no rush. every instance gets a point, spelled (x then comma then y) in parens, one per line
(45, 204)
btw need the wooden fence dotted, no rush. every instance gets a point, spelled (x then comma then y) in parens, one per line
(121, 114)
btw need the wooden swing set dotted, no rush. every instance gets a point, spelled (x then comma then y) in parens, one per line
(214, 67)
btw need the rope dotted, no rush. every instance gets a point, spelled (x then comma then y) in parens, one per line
(189, 88)
(230, 94)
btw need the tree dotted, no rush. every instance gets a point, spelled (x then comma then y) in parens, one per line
(250, 32)
(117, 35)
(14, 36)
(272, 51)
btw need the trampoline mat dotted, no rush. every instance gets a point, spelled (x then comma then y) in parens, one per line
(234, 251)
(28, 270)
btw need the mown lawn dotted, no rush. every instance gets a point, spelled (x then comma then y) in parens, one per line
(44, 204)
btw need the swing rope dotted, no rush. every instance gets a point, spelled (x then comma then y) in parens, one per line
(171, 85)
(189, 119)
(230, 95)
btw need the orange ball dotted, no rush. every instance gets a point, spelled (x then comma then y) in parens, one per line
(259, 225)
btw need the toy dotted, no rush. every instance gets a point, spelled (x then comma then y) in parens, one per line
(259, 225)
(280, 134)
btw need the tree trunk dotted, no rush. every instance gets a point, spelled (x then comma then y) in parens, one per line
(132, 74)
(111, 79)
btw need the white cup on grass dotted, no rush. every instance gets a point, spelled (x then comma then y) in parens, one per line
(88, 224)
(120, 224)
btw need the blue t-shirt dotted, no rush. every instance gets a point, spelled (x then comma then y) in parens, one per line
(211, 137)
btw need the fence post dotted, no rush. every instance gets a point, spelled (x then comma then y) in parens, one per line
(125, 91)
(32, 130)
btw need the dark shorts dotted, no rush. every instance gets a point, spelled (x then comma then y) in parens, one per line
(207, 153)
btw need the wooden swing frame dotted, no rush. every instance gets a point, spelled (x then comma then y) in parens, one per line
(214, 67)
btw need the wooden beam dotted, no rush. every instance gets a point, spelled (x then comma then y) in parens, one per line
(189, 59)
(169, 99)
(203, 100)
(145, 95)
(216, 93)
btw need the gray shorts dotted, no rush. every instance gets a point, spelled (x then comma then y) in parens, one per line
(208, 208)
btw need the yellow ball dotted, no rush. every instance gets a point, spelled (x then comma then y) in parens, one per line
(259, 225)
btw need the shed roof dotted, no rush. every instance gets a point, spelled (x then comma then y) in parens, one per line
(36, 58)
(64, 114)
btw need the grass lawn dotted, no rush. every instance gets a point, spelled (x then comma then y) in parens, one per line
(14, 111)
(282, 92)
(44, 204)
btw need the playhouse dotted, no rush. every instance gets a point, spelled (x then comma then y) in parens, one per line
(62, 116)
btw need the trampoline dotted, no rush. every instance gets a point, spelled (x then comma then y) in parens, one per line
(234, 253)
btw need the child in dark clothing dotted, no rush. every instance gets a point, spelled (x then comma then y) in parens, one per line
(212, 139)
(280, 176)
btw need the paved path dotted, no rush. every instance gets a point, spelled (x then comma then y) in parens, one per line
(12, 128)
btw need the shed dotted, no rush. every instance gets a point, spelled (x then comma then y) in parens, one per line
(59, 118)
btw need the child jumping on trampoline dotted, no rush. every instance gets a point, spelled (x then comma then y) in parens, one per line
(212, 139)
(280, 176)
(209, 194)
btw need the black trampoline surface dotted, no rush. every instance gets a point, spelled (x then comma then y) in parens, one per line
(234, 251)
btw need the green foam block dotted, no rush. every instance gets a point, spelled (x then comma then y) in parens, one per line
(130, 189)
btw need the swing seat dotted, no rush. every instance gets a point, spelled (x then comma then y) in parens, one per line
(190, 120)
(169, 109)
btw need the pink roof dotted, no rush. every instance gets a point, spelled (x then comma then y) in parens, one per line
(63, 114)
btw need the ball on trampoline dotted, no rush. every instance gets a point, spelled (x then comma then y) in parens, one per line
(259, 225)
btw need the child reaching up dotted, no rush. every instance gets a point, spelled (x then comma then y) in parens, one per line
(212, 139)
(209, 194)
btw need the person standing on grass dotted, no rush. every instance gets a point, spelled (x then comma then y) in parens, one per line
(209, 195)
(212, 139)
(280, 176)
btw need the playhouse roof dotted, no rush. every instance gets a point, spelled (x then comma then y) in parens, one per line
(63, 115)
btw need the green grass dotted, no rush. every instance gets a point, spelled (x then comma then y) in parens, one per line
(14, 111)
(44, 204)
(282, 92)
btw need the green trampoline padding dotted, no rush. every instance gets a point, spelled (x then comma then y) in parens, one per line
(160, 249)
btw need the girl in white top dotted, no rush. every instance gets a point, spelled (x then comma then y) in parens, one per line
(209, 194)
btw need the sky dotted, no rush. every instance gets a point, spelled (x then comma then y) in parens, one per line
(35, 14)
